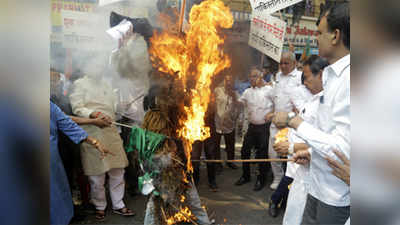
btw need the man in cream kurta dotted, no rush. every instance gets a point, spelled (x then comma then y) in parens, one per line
(93, 97)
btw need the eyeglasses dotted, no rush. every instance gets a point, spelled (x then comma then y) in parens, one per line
(284, 63)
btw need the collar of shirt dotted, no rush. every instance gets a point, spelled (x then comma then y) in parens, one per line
(340, 65)
(291, 74)
(321, 93)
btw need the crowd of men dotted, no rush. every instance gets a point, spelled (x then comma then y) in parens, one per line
(313, 103)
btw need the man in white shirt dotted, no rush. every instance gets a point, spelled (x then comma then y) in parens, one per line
(288, 80)
(258, 101)
(308, 111)
(328, 201)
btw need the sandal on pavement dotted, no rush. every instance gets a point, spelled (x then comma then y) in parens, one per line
(124, 212)
(100, 215)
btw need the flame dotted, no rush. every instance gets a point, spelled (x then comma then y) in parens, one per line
(196, 55)
(181, 216)
(182, 198)
(281, 136)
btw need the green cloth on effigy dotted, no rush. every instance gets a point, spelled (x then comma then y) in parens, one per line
(146, 143)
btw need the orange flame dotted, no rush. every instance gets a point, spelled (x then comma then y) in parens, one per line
(181, 216)
(281, 136)
(182, 198)
(195, 55)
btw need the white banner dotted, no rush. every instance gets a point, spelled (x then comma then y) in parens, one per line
(106, 2)
(267, 34)
(271, 6)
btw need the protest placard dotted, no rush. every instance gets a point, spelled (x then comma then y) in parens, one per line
(267, 34)
(271, 6)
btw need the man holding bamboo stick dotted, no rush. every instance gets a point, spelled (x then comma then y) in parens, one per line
(92, 97)
(328, 201)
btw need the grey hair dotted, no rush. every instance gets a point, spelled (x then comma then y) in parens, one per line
(289, 55)
(259, 71)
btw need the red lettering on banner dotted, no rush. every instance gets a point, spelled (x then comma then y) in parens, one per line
(288, 30)
(68, 22)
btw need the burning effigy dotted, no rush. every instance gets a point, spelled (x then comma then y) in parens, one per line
(186, 64)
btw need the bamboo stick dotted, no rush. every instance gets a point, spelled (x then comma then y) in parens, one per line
(164, 215)
(181, 16)
(122, 125)
(220, 160)
(243, 160)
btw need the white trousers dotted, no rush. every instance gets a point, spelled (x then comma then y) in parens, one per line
(277, 169)
(116, 184)
(296, 203)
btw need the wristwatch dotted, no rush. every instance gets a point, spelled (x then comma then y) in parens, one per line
(290, 116)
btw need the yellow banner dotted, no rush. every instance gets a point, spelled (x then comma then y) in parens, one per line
(58, 5)
(239, 5)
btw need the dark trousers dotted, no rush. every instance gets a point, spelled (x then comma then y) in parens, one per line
(70, 156)
(132, 170)
(256, 137)
(282, 192)
(317, 212)
(209, 148)
(229, 145)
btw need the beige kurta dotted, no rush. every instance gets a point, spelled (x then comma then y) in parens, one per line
(89, 95)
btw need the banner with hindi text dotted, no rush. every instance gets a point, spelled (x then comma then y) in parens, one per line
(271, 6)
(267, 35)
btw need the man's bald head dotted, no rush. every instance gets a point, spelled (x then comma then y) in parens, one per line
(288, 62)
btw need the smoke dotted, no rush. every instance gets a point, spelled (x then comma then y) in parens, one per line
(101, 56)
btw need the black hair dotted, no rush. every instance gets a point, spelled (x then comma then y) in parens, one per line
(338, 17)
(316, 64)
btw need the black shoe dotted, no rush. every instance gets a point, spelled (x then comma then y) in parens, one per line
(213, 187)
(273, 209)
(242, 181)
(259, 184)
(232, 166)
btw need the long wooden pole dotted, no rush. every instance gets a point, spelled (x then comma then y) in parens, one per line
(243, 160)
(221, 160)
(182, 15)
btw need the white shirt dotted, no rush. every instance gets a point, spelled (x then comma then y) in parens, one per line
(90, 95)
(333, 132)
(226, 111)
(309, 114)
(284, 87)
(286, 92)
(258, 102)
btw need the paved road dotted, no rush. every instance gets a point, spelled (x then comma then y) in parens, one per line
(231, 205)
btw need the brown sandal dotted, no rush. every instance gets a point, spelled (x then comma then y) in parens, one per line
(124, 212)
(100, 215)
